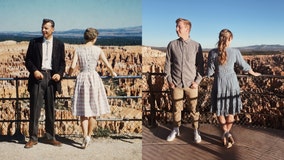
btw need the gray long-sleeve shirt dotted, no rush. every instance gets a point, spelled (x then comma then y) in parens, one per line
(184, 62)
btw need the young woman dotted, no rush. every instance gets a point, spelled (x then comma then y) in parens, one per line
(90, 98)
(225, 96)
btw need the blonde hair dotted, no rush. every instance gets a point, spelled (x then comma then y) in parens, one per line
(224, 36)
(185, 21)
(90, 34)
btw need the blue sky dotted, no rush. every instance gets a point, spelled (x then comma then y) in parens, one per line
(253, 22)
(27, 15)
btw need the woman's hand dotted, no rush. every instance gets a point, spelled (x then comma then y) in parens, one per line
(254, 73)
(113, 74)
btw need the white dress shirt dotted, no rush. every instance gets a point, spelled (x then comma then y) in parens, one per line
(46, 54)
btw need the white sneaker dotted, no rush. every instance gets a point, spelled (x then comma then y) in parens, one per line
(86, 142)
(173, 134)
(197, 137)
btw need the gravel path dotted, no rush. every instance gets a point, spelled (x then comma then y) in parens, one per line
(99, 149)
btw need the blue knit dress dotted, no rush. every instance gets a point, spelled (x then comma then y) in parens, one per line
(225, 95)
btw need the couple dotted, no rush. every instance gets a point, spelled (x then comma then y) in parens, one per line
(184, 68)
(45, 60)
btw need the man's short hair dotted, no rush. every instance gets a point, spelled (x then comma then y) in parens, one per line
(44, 21)
(185, 21)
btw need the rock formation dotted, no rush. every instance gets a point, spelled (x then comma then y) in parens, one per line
(262, 97)
(126, 60)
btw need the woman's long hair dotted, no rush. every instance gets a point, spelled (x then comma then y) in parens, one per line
(224, 36)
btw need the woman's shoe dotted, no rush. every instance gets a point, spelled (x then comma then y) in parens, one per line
(86, 142)
(231, 140)
(229, 145)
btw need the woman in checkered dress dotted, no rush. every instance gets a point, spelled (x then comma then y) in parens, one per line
(90, 99)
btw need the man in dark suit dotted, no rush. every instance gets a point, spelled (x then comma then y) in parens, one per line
(45, 61)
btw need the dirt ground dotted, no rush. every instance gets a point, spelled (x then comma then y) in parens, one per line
(111, 148)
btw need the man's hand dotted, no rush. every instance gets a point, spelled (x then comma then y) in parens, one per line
(193, 85)
(56, 77)
(172, 85)
(38, 75)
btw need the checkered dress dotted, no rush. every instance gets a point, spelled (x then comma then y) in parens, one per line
(90, 96)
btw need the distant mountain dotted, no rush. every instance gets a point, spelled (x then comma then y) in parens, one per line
(118, 32)
(263, 47)
(253, 48)
(117, 36)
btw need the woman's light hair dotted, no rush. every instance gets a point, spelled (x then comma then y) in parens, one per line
(224, 36)
(90, 34)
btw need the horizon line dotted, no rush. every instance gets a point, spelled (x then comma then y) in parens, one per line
(76, 29)
(253, 45)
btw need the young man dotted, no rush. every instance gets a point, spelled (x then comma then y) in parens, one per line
(184, 69)
(45, 61)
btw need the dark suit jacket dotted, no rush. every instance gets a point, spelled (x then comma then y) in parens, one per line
(33, 60)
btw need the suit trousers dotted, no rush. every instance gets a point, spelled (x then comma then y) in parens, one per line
(43, 91)
(191, 97)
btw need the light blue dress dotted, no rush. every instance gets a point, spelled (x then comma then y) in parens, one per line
(225, 95)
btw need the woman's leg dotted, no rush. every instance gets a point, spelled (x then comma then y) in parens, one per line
(85, 128)
(222, 121)
(91, 126)
(229, 122)
(84, 125)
